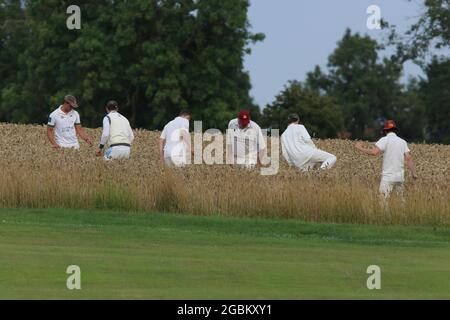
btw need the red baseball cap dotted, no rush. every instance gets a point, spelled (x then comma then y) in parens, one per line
(390, 124)
(244, 118)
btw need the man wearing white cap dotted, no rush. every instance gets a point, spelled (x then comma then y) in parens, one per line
(300, 151)
(117, 133)
(64, 125)
(396, 154)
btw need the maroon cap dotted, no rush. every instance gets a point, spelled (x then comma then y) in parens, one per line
(244, 118)
(390, 124)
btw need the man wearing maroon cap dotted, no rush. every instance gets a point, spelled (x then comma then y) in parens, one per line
(395, 154)
(245, 141)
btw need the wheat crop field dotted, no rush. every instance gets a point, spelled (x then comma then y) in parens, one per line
(140, 230)
(36, 176)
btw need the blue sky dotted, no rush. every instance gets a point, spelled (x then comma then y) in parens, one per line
(303, 33)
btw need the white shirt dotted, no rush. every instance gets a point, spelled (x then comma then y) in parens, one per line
(297, 145)
(123, 133)
(172, 133)
(245, 143)
(64, 127)
(394, 149)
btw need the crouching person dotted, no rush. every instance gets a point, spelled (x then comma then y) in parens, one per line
(300, 151)
(117, 133)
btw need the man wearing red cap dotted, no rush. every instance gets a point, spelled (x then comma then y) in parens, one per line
(396, 154)
(245, 141)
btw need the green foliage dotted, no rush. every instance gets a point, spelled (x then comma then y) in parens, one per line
(409, 112)
(319, 114)
(431, 31)
(430, 101)
(436, 96)
(365, 88)
(356, 94)
(154, 57)
(13, 40)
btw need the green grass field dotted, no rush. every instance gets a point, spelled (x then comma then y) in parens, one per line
(156, 256)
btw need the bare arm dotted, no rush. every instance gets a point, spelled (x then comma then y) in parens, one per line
(261, 154)
(51, 138)
(261, 148)
(83, 135)
(104, 138)
(374, 151)
(410, 164)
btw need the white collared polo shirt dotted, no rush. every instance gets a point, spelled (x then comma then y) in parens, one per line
(246, 143)
(394, 149)
(64, 127)
(175, 146)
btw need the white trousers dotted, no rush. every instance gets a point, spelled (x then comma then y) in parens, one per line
(387, 187)
(118, 153)
(74, 147)
(176, 161)
(249, 166)
(327, 160)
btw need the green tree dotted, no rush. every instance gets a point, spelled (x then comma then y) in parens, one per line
(13, 40)
(409, 112)
(318, 113)
(365, 87)
(155, 57)
(436, 96)
(431, 31)
(429, 34)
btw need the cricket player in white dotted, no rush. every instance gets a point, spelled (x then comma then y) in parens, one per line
(117, 133)
(245, 142)
(175, 141)
(300, 151)
(396, 153)
(64, 125)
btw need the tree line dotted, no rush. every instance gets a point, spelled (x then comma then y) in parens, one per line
(157, 57)
(359, 89)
